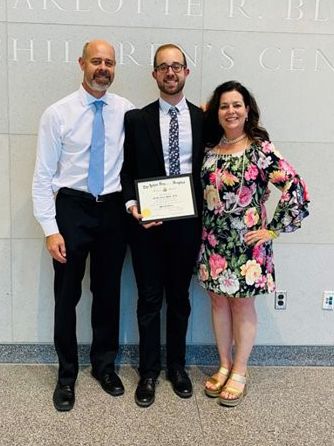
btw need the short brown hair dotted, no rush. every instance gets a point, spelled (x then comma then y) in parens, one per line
(165, 47)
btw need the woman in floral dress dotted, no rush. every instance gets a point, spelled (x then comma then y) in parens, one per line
(236, 260)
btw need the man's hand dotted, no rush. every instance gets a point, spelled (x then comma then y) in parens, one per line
(134, 211)
(56, 247)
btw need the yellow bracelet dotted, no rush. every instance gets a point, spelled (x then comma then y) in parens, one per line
(273, 234)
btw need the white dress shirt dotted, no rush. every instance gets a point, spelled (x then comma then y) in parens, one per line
(185, 134)
(63, 150)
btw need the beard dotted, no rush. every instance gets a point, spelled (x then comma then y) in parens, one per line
(101, 81)
(171, 88)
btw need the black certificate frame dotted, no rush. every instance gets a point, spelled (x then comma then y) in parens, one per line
(142, 204)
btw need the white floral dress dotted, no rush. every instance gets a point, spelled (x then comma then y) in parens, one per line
(235, 192)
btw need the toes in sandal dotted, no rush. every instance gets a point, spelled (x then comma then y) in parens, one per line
(217, 386)
(237, 393)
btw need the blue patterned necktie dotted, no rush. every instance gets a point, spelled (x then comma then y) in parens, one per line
(174, 152)
(96, 161)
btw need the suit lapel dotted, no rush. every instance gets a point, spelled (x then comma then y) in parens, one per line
(152, 121)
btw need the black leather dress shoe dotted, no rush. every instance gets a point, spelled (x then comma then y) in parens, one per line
(181, 382)
(63, 397)
(110, 383)
(145, 392)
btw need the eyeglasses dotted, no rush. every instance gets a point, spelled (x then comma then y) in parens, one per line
(163, 68)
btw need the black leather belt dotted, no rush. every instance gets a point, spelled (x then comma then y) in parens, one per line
(87, 195)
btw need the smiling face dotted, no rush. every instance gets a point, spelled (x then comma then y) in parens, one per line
(170, 83)
(98, 65)
(232, 113)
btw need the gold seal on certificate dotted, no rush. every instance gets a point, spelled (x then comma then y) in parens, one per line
(166, 198)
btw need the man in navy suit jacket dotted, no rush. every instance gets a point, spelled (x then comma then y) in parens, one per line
(163, 253)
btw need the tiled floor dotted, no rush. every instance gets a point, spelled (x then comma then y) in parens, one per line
(286, 406)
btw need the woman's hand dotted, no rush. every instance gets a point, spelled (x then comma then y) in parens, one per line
(260, 236)
(134, 211)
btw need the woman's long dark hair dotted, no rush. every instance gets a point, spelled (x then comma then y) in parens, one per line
(214, 131)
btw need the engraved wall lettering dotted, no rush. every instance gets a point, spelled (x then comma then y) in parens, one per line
(271, 58)
(228, 59)
(48, 46)
(127, 53)
(153, 48)
(42, 51)
(194, 8)
(237, 5)
(20, 3)
(139, 7)
(192, 58)
(52, 2)
(317, 14)
(320, 57)
(79, 7)
(296, 60)
(166, 7)
(29, 50)
(112, 7)
(267, 58)
(294, 10)
(67, 52)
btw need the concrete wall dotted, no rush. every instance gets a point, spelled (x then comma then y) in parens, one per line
(281, 49)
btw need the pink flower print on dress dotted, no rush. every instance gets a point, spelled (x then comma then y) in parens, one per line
(259, 254)
(261, 282)
(251, 217)
(284, 165)
(285, 197)
(271, 283)
(267, 146)
(251, 173)
(215, 178)
(269, 264)
(217, 265)
(245, 196)
(212, 239)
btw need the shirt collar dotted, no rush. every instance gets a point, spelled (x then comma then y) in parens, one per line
(165, 106)
(88, 99)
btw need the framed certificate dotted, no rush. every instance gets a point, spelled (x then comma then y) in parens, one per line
(166, 198)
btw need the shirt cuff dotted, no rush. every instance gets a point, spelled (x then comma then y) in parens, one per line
(50, 227)
(130, 203)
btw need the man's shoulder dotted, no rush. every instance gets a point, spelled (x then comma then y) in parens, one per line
(66, 99)
(120, 101)
(194, 107)
(63, 102)
(141, 112)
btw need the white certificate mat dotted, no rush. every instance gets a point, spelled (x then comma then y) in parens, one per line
(166, 198)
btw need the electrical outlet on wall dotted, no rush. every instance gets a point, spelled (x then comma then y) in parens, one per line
(328, 300)
(280, 299)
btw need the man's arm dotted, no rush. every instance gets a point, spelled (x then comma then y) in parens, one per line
(128, 170)
(48, 154)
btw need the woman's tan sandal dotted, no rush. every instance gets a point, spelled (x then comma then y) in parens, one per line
(237, 393)
(217, 386)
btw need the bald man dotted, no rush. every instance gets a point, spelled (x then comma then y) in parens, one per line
(77, 201)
